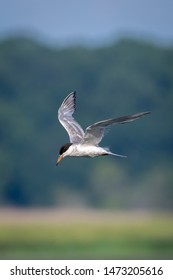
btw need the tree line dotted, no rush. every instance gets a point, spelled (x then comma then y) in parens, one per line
(125, 77)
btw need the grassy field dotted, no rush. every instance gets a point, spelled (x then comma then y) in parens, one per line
(85, 234)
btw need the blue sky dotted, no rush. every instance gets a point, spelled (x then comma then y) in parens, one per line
(66, 21)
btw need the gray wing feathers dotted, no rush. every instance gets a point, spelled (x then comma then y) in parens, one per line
(65, 117)
(121, 120)
(95, 132)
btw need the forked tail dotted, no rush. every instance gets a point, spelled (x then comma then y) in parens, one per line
(113, 154)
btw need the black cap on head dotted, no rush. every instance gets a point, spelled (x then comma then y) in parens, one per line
(64, 148)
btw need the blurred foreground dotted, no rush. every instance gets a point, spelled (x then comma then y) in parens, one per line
(85, 234)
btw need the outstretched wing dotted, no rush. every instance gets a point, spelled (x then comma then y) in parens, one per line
(95, 132)
(65, 117)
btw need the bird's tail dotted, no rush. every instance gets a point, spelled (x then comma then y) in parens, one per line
(117, 155)
(113, 154)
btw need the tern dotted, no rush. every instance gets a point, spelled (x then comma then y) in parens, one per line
(85, 144)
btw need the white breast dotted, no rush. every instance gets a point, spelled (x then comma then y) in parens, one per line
(85, 150)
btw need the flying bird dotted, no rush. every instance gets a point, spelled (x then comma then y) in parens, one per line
(85, 144)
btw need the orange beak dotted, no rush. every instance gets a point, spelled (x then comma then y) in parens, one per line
(59, 159)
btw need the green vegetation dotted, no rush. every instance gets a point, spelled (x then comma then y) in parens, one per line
(123, 237)
(123, 78)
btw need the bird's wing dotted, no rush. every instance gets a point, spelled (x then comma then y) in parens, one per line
(95, 132)
(65, 117)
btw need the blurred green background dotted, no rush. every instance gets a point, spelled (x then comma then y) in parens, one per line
(118, 56)
(128, 202)
(124, 78)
